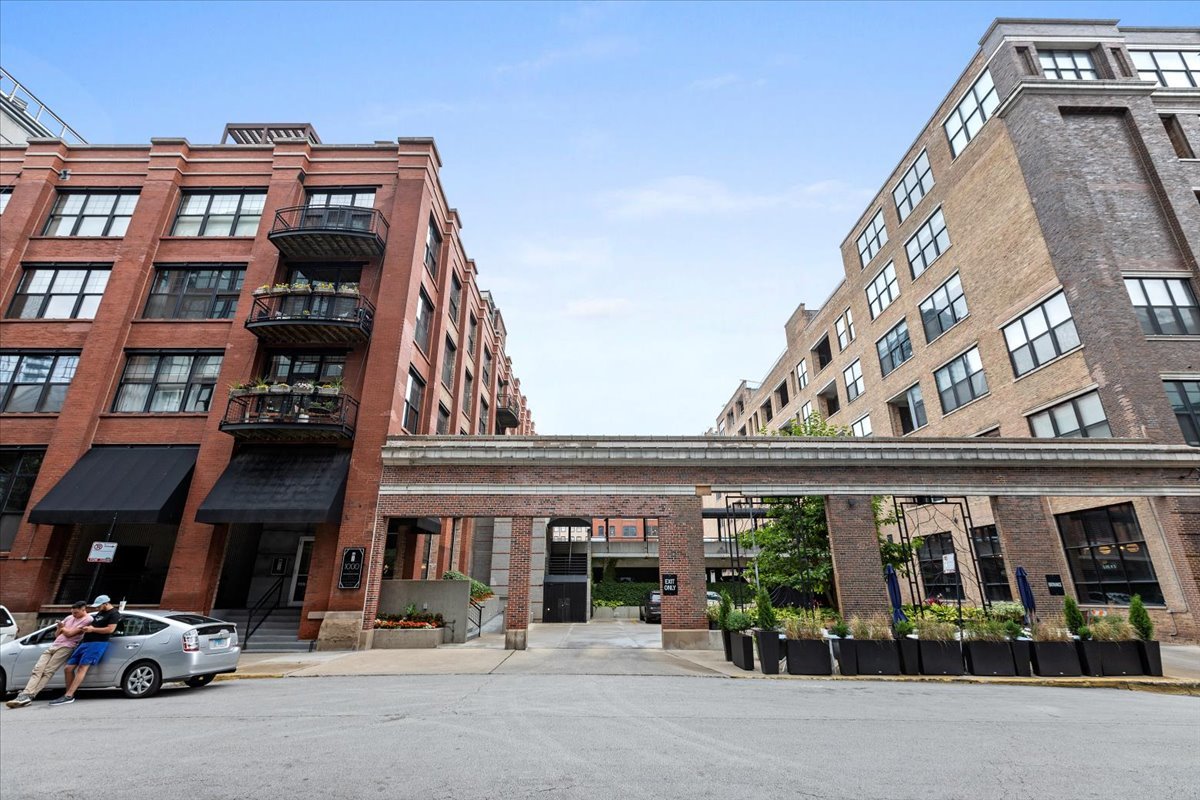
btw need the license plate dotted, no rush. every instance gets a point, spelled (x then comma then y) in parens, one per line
(218, 644)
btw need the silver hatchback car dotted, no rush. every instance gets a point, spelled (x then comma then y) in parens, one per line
(147, 649)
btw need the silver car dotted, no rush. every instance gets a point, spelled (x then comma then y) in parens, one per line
(147, 649)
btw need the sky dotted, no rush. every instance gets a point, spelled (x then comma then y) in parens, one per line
(648, 189)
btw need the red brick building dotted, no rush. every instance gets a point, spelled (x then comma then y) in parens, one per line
(204, 350)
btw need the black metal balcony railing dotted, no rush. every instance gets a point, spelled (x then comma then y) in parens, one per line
(329, 232)
(508, 411)
(301, 316)
(290, 416)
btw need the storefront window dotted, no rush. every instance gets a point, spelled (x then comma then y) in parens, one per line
(1107, 555)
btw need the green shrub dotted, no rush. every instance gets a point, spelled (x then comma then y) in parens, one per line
(988, 630)
(724, 609)
(1013, 629)
(1084, 633)
(479, 589)
(840, 629)
(1005, 611)
(943, 611)
(1140, 619)
(764, 611)
(740, 621)
(935, 630)
(1072, 616)
(903, 628)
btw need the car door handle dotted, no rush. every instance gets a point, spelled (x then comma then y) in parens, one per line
(132, 646)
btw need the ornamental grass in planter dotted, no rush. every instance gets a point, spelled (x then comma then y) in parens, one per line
(940, 651)
(1054, 652)
(1147, 647)
(741, 644)
(1112, 648)
(806, 648)
(874, 650)
(988, 649)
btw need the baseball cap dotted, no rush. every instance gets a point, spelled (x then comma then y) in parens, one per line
(101, 600)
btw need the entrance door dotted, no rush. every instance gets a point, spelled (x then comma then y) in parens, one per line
(300, 571)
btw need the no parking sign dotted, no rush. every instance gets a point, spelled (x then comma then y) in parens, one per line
(102, 552)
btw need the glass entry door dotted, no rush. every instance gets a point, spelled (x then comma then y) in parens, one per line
(300, 571)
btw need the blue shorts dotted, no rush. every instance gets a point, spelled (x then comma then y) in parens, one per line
(88, 654)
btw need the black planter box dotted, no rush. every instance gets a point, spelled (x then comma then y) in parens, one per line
(874, 657)
(743, 650)
(770, 653)
(808, 657)
(941, 658)
(1056, 659)
(1090, 657)
(712, 625)
(725, 643)
(990, 658)
(1151, 658)
(1111, 658)
(843, 650)
(1021, 658)
(910, 656)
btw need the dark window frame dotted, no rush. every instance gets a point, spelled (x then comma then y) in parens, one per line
(219, 299)
(414, 398)
(443, 420)
(423, 322)
(1055, 333)
(909, 183)
(933, 310)
(484, 414)
(81, 294)
(1094, 546)
(192, 380)
(967, 381)
(449, 363)
(983, 101)
(890, 287)
(433, 246)
(909, 407)
(989, 556)
(455, 300)
(1064, 65)
(872, 239)
(111, 216)
(329, 191)
(8, 387)
(935, 582)
(857, 382)
(1148, 315)
(1094, 430)
(1187, 412)
(938, 242)
(17, 478)
(1154, 71)
(331, 364)
(235, 217)
(894, 347)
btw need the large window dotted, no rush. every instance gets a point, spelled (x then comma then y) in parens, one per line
(862, 427)
(972, 111)
(1177, 68)
(915, 184)
(992, 573)
(195, 291)
(95, 212)
(844, 326)
(806, 411)
(311, 368)
(414, 398)
(35, 383)
(802, 373)
(1041, 335)
(909, 410)
(1107, 555)
(443, 420)
(1164, 306)
(472, 335)
(168, 383)
(484, 414)
(5, 196)
(782, 398)
(871, 240)
(961, 381)
(468, 395)
(18, 470)
(882, 290)
(423, 328)
(928, 243)
(1067, 65)
(1079, 418)
(766, 411)
(219, 214)
(433, 247)
(359, 198)
(485, 370)
(894, 348)
(943, 309)
(59, 291)
(455, 297)
(937, 582)
(1184, 397)
(449, 361)
(853, 376)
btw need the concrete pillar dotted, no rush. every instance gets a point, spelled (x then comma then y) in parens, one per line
(516, 613)
(482, 532)
(854, 544)
(537, 567)
(681, 553)
(1179, 518)
(1029, 538)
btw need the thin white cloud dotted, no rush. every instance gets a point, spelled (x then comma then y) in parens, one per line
(598, 308)
(597, 49)
(694, 195)
(725, 81)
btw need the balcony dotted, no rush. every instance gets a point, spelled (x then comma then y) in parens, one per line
(329, 232)
(508, 411)
(323, 415)
(300, 315)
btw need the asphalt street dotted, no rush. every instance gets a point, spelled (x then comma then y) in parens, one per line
(603, 736)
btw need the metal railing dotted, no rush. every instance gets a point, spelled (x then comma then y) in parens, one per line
(34, 110)
(298, 305)
(477, 607)
(275, 592)
(292, 408)
(331, 219)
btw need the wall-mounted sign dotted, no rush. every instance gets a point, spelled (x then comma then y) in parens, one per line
(279, 565)
(1054, 585)
(352, 567)
(948, 564)
(670, 584)
(102, 552)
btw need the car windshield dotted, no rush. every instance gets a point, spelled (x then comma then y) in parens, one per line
(655, 597)
(192, 619)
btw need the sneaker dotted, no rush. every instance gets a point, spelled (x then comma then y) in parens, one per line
(20, 701)
(62, 701)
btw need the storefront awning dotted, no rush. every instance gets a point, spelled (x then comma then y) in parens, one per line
(140, 485)
(279, 484)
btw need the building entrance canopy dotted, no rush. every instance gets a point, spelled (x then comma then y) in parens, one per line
(279, 484)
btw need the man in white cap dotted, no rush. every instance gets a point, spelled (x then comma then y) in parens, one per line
(93, 647)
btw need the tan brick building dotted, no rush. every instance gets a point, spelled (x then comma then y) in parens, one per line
(1027, 269)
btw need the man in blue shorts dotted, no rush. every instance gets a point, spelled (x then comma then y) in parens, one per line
(93, 647)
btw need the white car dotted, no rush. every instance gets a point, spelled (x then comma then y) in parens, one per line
(8, 627)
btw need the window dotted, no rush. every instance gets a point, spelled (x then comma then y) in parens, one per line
(313, 368)
(195, 291)
(961, 381)
(971, 112)
(629, 531)
(414, 397)
(781, 395)
(5, 196)
(943, 309)
(806, 411)
(844, 326)
(168, 383)
(909, 410)
(60, 291)
(1177, 136)
(862, 427)
(1184, 397)
(1107, 556)
(1164, 306)
(468, 392)
(433, 247)
(741, 407)
(215, 213)
(1041, 335)
(990, 558)
(802, 374)
(871, 240)
(882, 290)
(937, 583)
(894, 348)
(1079, 418)
(340, 276)
(1168, 67)
(485, 370)
(928, 243)
(472, 334)
(822, 354)
(359, 198)
(35, 383)
(483, 417)
(95, 212)
(18, 471)
(1067, 65)
(423, 328)
(915, 184)
(766, 411)
(455, 297)
(854, 380)
(828, 398)
(443, 420)
(449, 361)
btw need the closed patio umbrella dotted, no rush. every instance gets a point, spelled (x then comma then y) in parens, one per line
(893, 587)
(1026, 593)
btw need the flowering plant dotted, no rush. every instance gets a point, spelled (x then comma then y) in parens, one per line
(390, 624)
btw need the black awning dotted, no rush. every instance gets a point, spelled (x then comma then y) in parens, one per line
(141, 485)
(279, 484)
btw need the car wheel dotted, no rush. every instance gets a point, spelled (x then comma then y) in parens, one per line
(3, 685)
(199, 680)
(641, 615)
(143, 679)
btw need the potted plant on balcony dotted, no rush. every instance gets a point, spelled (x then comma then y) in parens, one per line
(261, 290)
(910, 651)
(1111, 648)
(238, 390)
(303, 387)
(1147, 647)
(767, 633)
(807, 650)
(280, 388)
(259, 386)
(724, 609)
(988, 649)
(348, 289)
(875, 651)
(281, 288)
(330, 388)
(941, 652)
(1054, 653)
(322, 287)
(300, 287)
